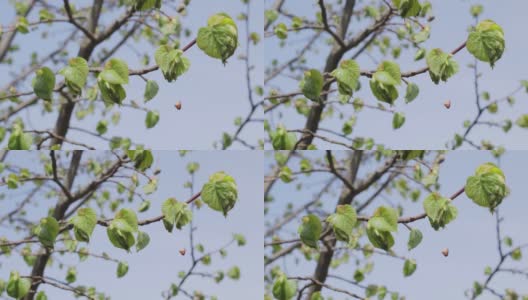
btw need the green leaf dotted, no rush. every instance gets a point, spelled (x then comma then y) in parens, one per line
(347, 76)
(111, 93)
(220, 192)
(312, 84)
(171, 62)
(44, 83)
(441, 65)
(152, 118)
(17, 287)
(144, 206)
(115, 72)
(75, 74)
(412, 92)
(522, 121)
(84, 223)
(380, 225)
(143, 159)
(281, 139)
(415, 238)
(19, 140)
(121, 229)
(310, 230)
(384, 81)
(281, 31)
(398, 120)
(175, 213)
(47, 231)
(486, 42)
(143, 5)
(409, 267)
(343, 222)
(516, 254)
(284, 289)
(234, 273)
(143, 239)
(102, 127)
(151, 90)
(439, 210)
(409, 8)
(122, 269)
(219, 39)
(41, 296)
(487, 187)
(317, 296)
(393, 70)
(71, 275)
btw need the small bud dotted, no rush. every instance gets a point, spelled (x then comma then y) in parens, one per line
(447, 104)
(178, 105)
(182, 251)
(445, 252)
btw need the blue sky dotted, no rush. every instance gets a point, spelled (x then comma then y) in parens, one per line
(428, 124)
(470, 238)
(212, 94)
(154, 268)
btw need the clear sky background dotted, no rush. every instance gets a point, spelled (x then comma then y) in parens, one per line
(428, 124)
(154, 268)
(212, 94)
(471, 237)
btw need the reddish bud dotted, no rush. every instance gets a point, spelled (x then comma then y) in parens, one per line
(445, 252)
(447, 104)
(178, 105)
(182, 251)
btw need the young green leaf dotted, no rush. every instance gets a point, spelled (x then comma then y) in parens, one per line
(380, 225)
(151, 90)
(115, 72)
(145, 205)
(47, 231)
(343, 222)
(219, 39)
(143, 239)
(175, 213)
(409, 267)
(412, 92)
(44, 83)
(152, 118)
(281, 139)
(122, 269)
(408, 8)
(19, 140)
(347, 76)
(310, 230)
(234, 273)
(71, 275)
(487, 187)
(312, 84)
(41, 296)
(143, 159)
(121, 229)
(281, 31)
(439, 210)
(398, 120)
(441, 65)
(522, 121)
(220, 193)
(75, 74)
(415, 238)
(17, 287)
(84, 223)
(486, 42)
(171, 62)
(284, 289)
